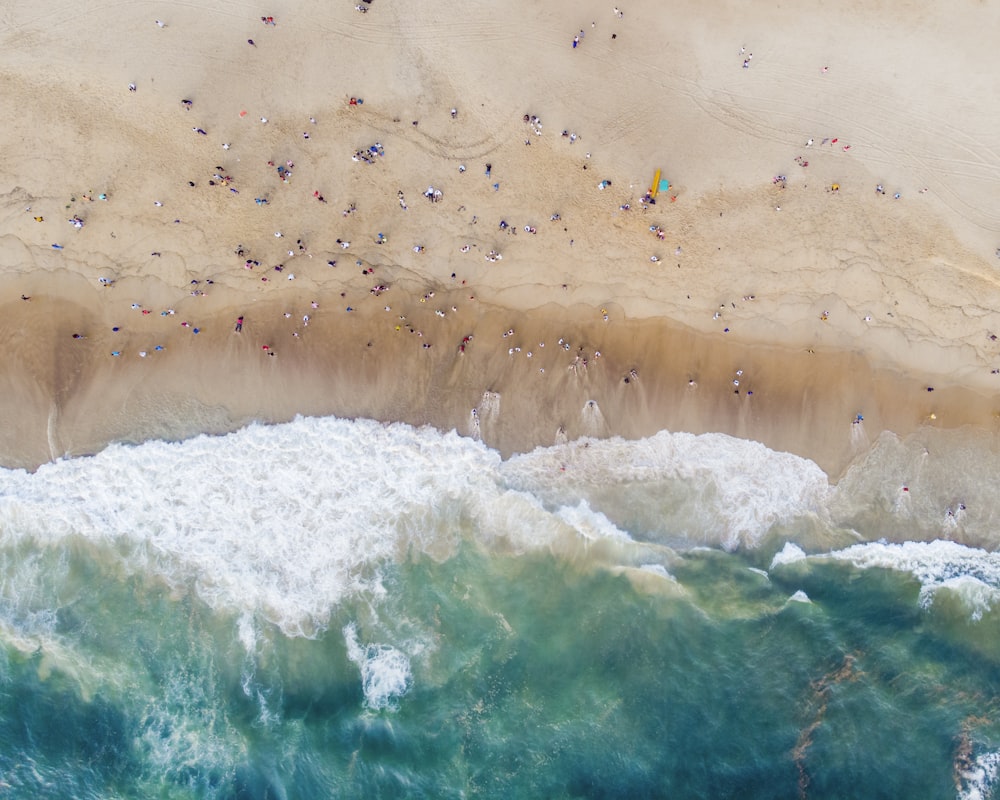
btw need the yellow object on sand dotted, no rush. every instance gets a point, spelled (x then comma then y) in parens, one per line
(656, 185)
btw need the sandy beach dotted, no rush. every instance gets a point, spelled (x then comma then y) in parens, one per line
(827, 247)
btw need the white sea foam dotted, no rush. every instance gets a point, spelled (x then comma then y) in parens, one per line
(286, 520)
(385, 671)
(25, 605)
(710, 488)
(591, 524)
(182, 733)
(977, 783)
(247, 632)
(799, 597)
(788, 554)
(971, 573)
(978, 597)
(282, 521)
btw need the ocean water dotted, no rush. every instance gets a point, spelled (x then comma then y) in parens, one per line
(333, 608)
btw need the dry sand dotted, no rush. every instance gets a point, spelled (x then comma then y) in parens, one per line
(821, 303)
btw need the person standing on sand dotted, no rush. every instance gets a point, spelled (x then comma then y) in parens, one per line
(239, 324)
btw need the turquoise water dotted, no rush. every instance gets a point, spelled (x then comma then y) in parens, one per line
(344, 609)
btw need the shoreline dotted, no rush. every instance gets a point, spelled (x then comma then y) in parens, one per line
(70, 397)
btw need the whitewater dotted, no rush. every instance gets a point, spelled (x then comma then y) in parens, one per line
(336, 607)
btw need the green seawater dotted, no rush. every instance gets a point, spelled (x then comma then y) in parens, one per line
(506, 675)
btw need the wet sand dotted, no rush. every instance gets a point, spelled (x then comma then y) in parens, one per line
(649, 375)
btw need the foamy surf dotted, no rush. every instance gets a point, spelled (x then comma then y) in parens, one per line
(375, 610)
(677, 487)
(789, 554)
(978, 782)
(385, 671)
(284, 521)
(972, 574)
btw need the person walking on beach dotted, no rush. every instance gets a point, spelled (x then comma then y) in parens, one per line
(239, 324)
